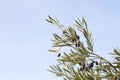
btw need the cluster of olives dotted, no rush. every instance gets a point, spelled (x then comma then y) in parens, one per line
(88, 66)
(76, 41)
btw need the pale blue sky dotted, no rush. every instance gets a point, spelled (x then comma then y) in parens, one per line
(25, 36)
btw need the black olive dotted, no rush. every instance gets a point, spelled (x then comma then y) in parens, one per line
(96, 62)
(83, 66)
(78, 37)
(64, 32)
(79, 44)
(76, 45)
(81, 69)
(91, 65)
(59, 55)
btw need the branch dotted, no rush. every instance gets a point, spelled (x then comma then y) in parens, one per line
(104, 60)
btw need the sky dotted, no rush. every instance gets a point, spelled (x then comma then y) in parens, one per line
(25, 36)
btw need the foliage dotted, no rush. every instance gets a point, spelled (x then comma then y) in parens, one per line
(76, 57)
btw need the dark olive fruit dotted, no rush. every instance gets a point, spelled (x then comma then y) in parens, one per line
(78, 37)
(77, 44)
(81, 69)
(64, 32)
(59, 55)
(91, 65)
(96, 62)
(83, 65)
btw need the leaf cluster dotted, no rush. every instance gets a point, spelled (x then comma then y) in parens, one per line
(79, 61)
